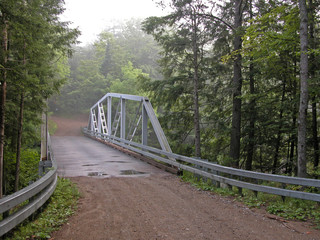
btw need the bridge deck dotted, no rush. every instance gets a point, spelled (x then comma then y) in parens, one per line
(156, 207)
(81, 156)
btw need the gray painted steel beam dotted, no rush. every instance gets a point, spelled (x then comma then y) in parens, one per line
(156, 126)
(147, 114)
(109, 114)
(144, 126)
(123, 119)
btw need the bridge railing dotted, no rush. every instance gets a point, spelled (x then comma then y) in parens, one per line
(28, 200)
(255, 181)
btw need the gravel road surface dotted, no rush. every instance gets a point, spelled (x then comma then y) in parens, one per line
(159, 205)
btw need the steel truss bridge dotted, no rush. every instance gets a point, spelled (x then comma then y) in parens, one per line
(111, 127)
(131, 123)
(113, 123)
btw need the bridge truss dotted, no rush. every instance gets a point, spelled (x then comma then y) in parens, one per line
(112, 128)
(109, 117)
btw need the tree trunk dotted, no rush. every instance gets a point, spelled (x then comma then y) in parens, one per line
(278, 140)
(293, 137)
(20, 126)
(315, 133)
(313, 68)
(292, 146)
(303, 104)
(19, 139)
(196, 117)
(252, 120)
(3, 96)
(237, 85)
(252, 111)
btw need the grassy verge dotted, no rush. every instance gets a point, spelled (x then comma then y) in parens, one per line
(61, 205)
(52, 127)
(291, 208)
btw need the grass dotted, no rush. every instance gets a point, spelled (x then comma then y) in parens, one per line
(59, 208)
(52, 127)
(291, 208)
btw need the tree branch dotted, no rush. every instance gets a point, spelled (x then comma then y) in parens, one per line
(217, 19)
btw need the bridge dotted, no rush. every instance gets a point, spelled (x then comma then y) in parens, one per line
(126, 198)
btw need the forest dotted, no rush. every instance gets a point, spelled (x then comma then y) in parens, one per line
(234, 82)
(34, 49)
(228, 79)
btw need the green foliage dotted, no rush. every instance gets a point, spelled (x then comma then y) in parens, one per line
(128, 83)
(192, 46)
(60, 207)
(296, 209)
(289, 209)
(121, 54)
(52, 127)
(208, 185)
(36, 68)
(28, 169)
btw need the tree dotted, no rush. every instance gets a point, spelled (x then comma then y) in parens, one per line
(314, 65)
(271, 42)
(303, 106)
(183, 35)
(3, 66)
(252, 107)
(37, 39)
(237, 85)
(95, 68)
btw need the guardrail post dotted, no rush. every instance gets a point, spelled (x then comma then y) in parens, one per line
(256, 181)
(240, 188)
(284, 187)
(229, 187)
(123, 119)
(201, 168)
(144, 126)
(205, 179)
(45, 160)
(214, 172)
(197, 176)
(109, 115)
(44, 137)
(44, 144)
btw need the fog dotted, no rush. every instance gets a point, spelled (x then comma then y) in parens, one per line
(93, 16)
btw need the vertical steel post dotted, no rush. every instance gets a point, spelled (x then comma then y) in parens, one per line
(44, 137)
(123, 119)
(109, 115)
(144, 126)
(92, 120)
(99, 119)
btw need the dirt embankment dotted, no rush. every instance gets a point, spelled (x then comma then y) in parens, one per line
(164, 207)
(70, 126)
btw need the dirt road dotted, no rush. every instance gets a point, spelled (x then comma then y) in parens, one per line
(164, 207)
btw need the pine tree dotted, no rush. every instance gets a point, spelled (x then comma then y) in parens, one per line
(303, 106)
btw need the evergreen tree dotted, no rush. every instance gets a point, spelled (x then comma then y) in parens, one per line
(303, 106)
(37, 40)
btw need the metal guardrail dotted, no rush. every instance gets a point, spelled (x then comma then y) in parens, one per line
(36, 194)
(221, 174)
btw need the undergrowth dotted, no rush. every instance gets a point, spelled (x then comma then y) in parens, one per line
(290, 208)
(60, 206)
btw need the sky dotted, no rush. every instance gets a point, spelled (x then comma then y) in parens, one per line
(93, 16)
